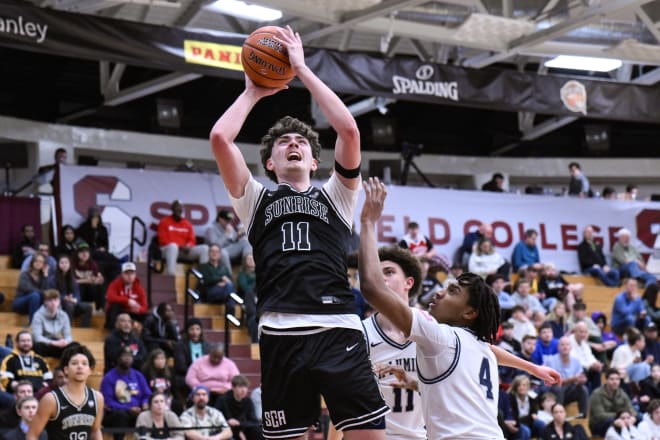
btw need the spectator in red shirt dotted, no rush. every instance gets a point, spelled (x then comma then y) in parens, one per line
(125, 295)
(177, 240)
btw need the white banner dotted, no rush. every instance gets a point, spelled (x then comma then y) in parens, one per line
(445, 216)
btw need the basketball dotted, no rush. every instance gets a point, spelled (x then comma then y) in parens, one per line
(265, 60)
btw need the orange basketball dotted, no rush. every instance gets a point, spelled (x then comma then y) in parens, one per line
(265, 60)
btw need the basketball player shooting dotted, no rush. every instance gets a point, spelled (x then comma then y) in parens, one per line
(456, 365)
(73, 411)
(311, 340)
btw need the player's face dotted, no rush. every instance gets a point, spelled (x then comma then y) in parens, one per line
(28, 410)
(395, 279)
(451, 306)
(78, 370)
(291, 154)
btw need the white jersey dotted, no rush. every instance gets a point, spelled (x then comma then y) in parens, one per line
(406, 420)
(459, 381)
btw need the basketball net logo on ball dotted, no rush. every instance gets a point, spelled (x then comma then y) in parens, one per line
(265, 60)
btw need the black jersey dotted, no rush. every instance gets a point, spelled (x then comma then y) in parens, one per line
(72, 422)
(299, 246)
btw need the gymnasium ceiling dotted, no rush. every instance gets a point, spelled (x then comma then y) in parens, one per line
(507, 34)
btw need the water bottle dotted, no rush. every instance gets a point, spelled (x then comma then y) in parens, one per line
(9, 341)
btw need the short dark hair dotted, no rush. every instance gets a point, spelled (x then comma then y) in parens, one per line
(23, 332)
(579, 305)
(530, 232)
(75, 349)
(528, 337)
(288, 124)
(545, 325)
(574, 165)
(517, 308)
(498, 176)
(630, 187)
(412, 225)
(611, 371)
(407, 261)
(22, 400)
(653, 405)
(240, 381)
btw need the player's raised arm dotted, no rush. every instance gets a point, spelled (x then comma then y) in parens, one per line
(47, 409)
(506, 359)
(372, 284)
(232, 166)
(347, 148)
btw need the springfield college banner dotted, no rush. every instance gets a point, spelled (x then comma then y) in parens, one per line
(444, 215)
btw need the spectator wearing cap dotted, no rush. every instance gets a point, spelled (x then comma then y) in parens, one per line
(176, 238)
(214, 370)
(191, 347)
(217, 284)
(126, 393)
(125, 294)
(628, 260)
(232, 240)
(89, 277)
(627, 308)
(651, 346)
(495, 184)
(592, 260)
(210, 421)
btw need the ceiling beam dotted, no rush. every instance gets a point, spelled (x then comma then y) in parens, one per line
(352, 18)
(590, 15)
(189, 13)
(149, 87)
(650, 25)
(648, 78)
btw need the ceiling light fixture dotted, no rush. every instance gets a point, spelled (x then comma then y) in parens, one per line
(246, 11)
(584, 63)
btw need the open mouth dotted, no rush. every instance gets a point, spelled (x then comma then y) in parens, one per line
(294, 156)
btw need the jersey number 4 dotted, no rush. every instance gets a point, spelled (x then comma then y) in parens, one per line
(295, 236)
(397, 400)
(484, 378)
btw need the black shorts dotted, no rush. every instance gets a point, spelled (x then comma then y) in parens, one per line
(296, 370)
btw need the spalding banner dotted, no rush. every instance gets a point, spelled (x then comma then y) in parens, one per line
(445, 216)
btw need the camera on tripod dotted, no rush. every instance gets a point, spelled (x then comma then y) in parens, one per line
(410, 150)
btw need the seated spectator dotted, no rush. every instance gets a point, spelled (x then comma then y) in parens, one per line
(485, 260)
(155, 422)
(471, 240)
(592, 260)
(176, 238)
(233, 243)
(238, 409)
(495, 184)
(9, 418)
(421, 246)
(606, 401)
(538, 319)
(553, 285)
(498, 282)
(26, 409)
(511, 429)
(524, 404)
(631, 192)
(64, 281)
(560, 428)
(649, 300)
(93, 232)
(604, 346)
(126, 394)
(125, 295)
(573, 380)
(161, 329)
(43, 249)
(120, 337)
(69, 243)
(522, 326)
(160, 378)
(526, 253)
(580, 315)
(213, 370)
(649, 427)
(212, 423)
(89, 277)
(609, 193)
(579, 184)
(217, 283)
(629, 261)
(191, 347)
(546, 344)
(528, 346)
(649, 389)
(524, 298)
(507, 341)
(247, 282)
(623, 427)
(627, 308)
(557, 319)
(546, 402)
(26, 246)
(627, 358)
(24, 364)
(31, 286)
(51, 327)
(581, 350)
(651, 344)
(59, 379)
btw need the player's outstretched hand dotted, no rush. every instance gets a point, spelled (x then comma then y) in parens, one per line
(261, 92)
(548, 375)
(404, 380)
(375, 193)
(293, 43)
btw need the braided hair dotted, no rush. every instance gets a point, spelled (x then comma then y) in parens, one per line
(485, 302)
